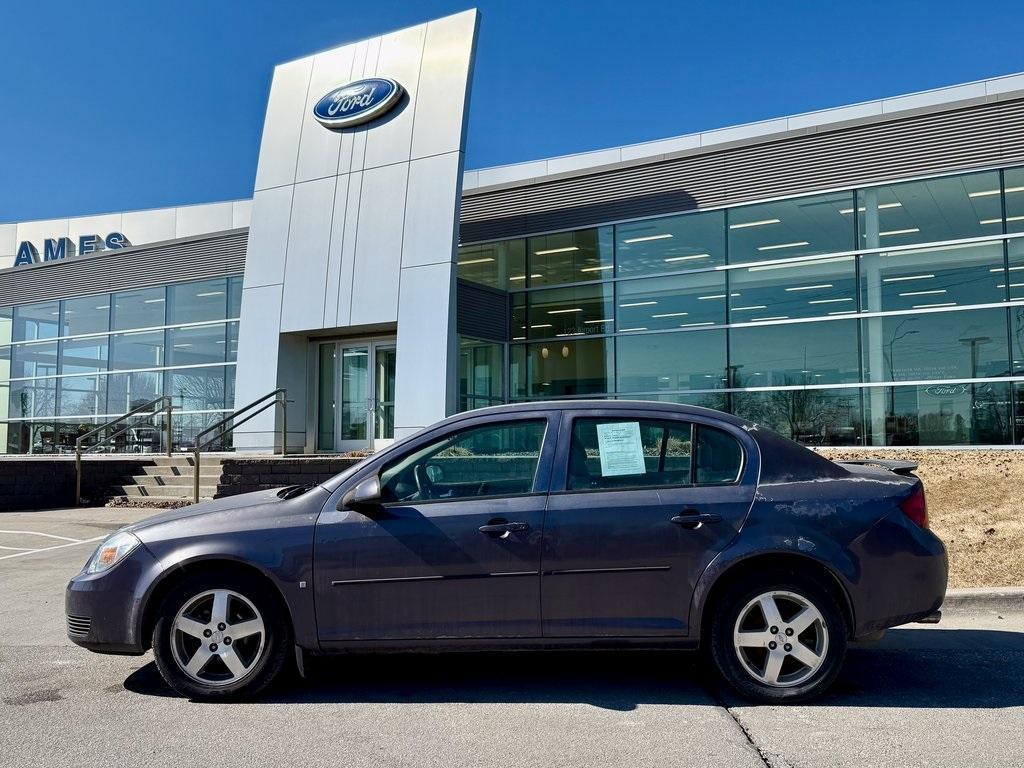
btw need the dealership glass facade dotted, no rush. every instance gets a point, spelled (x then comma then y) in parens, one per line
(889, 315)
(68, 365)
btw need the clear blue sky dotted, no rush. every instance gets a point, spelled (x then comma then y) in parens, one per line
(145, 104)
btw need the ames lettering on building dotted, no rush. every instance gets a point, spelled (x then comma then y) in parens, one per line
(57, 248)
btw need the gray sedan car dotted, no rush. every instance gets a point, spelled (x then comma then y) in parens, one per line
(546, 525)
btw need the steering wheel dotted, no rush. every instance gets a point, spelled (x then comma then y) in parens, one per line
(424, 485)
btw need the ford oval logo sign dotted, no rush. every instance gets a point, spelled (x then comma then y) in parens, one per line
(357, 102)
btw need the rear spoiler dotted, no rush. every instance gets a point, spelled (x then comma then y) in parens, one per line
(899, 467)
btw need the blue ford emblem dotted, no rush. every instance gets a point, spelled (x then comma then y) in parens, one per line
(357, 102)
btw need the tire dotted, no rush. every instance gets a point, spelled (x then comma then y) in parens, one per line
(193, 644)
(754, 661)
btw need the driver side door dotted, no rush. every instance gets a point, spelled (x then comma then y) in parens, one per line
(453, 550)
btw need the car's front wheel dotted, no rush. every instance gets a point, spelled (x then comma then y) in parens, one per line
(778, 638)
(219, 637)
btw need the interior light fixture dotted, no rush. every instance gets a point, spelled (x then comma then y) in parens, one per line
(809, 287)
(764, 319)
(752, 306)
(626, 330)
(760, 223)
(564, 311)
(596, 269)
(542, 325)
(647, 238)
(461, 264)
(152, 301)
(924, 293)
(862, 209)
(591, 322)
(638, 304)
(829, 301)
(671, 314)
(942, 304)
(844, 312)
(907, 231)
(782, 245)
(990, 192)
(1012, 285)
(204, 294)
(673, 259)
(906, 277)
(567, 249)
(713, 296)
(1000, 221)
(695, 325)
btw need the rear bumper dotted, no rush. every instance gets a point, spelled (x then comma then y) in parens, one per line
(102, 610)
(902, 575)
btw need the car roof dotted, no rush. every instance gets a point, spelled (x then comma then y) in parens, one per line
(604, 405)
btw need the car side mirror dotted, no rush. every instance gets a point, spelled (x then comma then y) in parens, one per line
(366, 495)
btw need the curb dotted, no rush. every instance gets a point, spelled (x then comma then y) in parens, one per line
(1000, 599)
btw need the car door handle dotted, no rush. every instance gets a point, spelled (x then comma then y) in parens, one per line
(499, 529)
(691, 519)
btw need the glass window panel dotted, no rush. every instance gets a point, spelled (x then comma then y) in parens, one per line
(480, 374)
(90, 314)
(82, 396)
(570, 257)
(197, 302)
(83, 355)
(797, 227)
(126, 391)
(936, 345)
(35, 397)
(933, 277)
(794, 354)
(325, 397)
(235, 296)
(196, 346)
(229, 386)
(187, 427)
(499, 265)
(384, 379)
(232, 342)
(143, 349)
(939, 414)
(719, 457)
(6, 326)
(809, 416)
(197, 389)
(518, 316)
(355, 367)
(34, 360)
(684, 360)
(671, 244)
(666, 446)
(681, 301)
(138, 309)
(36, 321)
(583, 309)
(490, 460)
(792, 291)
(925, 211)
(562, 367)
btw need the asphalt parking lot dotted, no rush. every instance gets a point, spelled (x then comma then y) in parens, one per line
(946, 695)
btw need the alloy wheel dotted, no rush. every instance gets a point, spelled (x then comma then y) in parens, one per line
(217, 637)
(780, 638)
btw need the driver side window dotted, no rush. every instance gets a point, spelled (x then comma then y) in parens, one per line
(497, 459)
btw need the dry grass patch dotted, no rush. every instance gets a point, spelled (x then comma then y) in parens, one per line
(975, 505)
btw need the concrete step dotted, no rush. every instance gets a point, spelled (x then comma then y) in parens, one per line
(187, 461)
(178, 471)
(161, 481)
(162, 491)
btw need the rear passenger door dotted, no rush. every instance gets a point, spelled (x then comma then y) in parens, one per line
(641, 502)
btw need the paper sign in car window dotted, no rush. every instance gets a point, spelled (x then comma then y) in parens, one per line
(622, 452)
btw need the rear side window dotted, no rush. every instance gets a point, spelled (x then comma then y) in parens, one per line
(719, 457)
(497, 459)
(629, 453)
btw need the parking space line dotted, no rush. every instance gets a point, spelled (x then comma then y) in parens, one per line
(50, 549)
(47, 535)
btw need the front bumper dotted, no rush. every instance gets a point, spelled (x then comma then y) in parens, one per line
(103, 610)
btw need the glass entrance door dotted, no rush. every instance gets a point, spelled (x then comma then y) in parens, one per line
(356, 400)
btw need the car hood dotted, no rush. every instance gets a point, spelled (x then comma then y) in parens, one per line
(257, 505)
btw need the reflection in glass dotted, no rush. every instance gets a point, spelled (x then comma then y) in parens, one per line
(933, 277)
(82, 395)
(792, 291)
(197, 302)
(87, 355)
(570, 257)
(694, 360)
(809, 416)
(798, 354)
(498, 265)
(32, 398)
(480, 369)
(138, 309)
(325, 398)
(562, 367)
(141, 349)
(197, 345)
(576, 311)
(384, 378)
(34, 360)
(931, 210)
(126, 391)
(671, 244)
(354, 392)
(680, 301)
(939, 414)
(36, 321)
(197, 389)
(802, 226)
(90, 314)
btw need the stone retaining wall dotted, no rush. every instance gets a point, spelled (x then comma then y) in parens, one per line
(246, 474)
(44, 483)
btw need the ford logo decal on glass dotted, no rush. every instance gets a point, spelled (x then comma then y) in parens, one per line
(357, 102)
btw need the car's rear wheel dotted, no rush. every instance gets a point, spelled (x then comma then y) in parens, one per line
(778, 637)
(219, 637)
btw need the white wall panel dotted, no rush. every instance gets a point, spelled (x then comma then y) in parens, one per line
(433, 183)
(333, 277)
(8, 244)
(378, 254)
(318, 148)
(389, 138)
(345, 239)
(268, 237)
(309, 239)
(241, 213)
(101, 225)
(258, 340)
(153, 226)
(200, 219)
(282, 127)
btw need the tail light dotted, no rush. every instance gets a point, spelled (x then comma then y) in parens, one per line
(915, 507)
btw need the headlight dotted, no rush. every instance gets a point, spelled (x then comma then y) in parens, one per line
(112, 551)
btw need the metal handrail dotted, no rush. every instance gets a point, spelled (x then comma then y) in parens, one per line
(279, 399)
(165, 405)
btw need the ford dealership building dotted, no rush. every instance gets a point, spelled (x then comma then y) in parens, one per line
(853, 276)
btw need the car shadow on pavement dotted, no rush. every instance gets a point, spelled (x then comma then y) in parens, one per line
(939, 668)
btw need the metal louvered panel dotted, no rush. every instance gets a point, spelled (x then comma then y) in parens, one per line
(973, 137)
(117, 270)
(482, 312)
